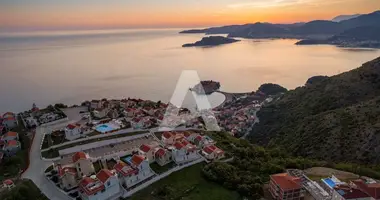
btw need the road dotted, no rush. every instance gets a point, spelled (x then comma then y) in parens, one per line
(250, 129)
(37, 166)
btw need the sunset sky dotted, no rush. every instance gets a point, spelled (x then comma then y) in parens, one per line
(69, 14)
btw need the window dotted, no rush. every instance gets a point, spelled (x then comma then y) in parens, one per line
(108, 183)
(103, 190)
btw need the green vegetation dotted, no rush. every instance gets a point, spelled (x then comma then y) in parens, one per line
(251, 166)
(25, 190)
(161, 169)
(187, 184)
(334, 120)
(271, 89)
(54, 152)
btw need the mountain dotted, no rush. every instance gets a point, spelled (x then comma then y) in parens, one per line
(367, 36)
(318, 29)
(261, 30)
(371, 19)
(334, 119)
(344, 17)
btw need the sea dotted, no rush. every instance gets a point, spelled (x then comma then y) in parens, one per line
(73, 66)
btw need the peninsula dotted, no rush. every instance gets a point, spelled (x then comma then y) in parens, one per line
(211, 41)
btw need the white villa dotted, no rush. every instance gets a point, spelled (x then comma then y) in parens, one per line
(184, 151)
(11, 147)
(104, 185)
(83, 164)
(147, 151)
(75, 131)
(10, 136)
(162, 156)
(212, 152)
(9, 120)
(100, 112)
(134, 172)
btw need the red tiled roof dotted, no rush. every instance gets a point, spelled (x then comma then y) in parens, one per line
(79, 155)
(167, 135)
(125, 169)
(11, 134)
(8, 113)
(104, 175)
(160, 152)
(178, 145)
(137, 159)
(8, 182)
(372, 189)
(71, 126)
(145, 148)
(185, 142)
(12, 143)
(209, 149)
(9, 119)
(286, 182)
(198, 138)
(85, 182)
(348, 192)
(63, 171)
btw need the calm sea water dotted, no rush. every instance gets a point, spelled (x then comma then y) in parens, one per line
(71, 67)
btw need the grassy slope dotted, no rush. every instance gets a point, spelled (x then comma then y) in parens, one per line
(187, 184)
(335, 119)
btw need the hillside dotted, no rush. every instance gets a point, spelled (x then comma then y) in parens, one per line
(317, 29)
(335, 119)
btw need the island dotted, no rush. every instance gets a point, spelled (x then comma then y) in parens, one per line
(206, 87)
(211, 41)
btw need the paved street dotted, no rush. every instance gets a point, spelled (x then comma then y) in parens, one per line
(37, 167)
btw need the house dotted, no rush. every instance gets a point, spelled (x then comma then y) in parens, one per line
(149, 111)
(169, 138)
(9, 120)
(95, 104)
(137, 123)
(104, 185)
(130, 112)
(347, 192)
(113, 114)
(147, 151)
(370, 187)
(183, 152)
(100, 112)
(83, 164)
(212, 152)
(198, 141)
(10, 136)
(162, 156)
(190, 136)
(68, 177)
(73, 131)
(284, 186)
(127, 103)
(11, 147)
(134, 171)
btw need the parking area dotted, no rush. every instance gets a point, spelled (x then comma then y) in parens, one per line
(75, 113)
(111, 149)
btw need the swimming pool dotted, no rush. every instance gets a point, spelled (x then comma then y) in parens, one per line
(329, 182)
(127, 159)
(104, 128)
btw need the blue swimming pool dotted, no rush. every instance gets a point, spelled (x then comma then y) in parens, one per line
(104, 128)
(127, 159)
(329, 182)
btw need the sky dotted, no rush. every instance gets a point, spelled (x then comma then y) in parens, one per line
(97, 14)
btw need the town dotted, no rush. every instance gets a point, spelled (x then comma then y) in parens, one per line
(107, 149)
